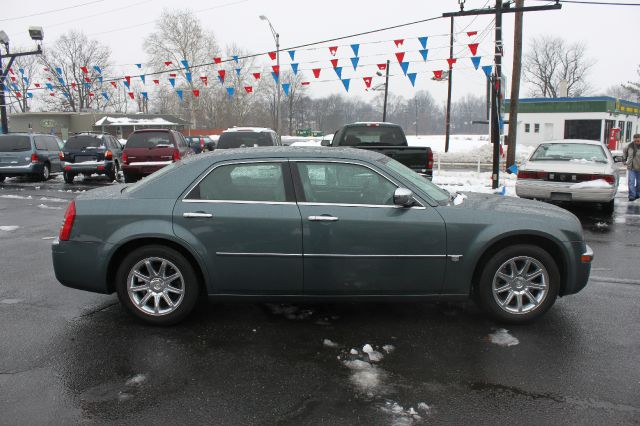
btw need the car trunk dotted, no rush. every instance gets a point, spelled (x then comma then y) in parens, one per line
(15, 151)
(564, 171)
(81, 149)
(145, 147)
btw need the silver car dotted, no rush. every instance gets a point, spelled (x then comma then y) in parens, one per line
(573, 170)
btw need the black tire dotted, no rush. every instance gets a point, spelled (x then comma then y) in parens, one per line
(113, 174)
(540, 261)
(68, 177)
(176, 264)
(2, 178)
(129, 178)
(46, 172)
(609, 207)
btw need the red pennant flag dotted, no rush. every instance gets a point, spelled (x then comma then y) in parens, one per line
(37, 85)
(382, 67)
(474, 48)
(196, 93)
(248, 89)
(305, 83)
(471, 33)
(276, 69)
(451, 61)
(126, 77)
(18, 94)
(437, 74)
(85, 70)
(49, 78)
(367, 81)
(46, 69)
(173, 75)
(334, 62)
(398, 42)
(87, 79)
(13, 79)
(156, 82)
(11, 70)
(114, 84)
(131, 95)
(333, 50)
(91, 95)
(167, 63)
(51, 94)
(205, 80)
(73, 85)
(400, 56)
(316, 72)
(221, 73)
(256, 75)
(273, 55)
(501, 151)
(217, 60)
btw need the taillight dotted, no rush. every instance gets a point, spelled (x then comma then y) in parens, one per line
(69, 217)
(525, 174)
(176, 155)
(125, 159)
(201, 143)
(34, 157)
(610, 179)
(430, 160)
(61, 155)
(108, 155)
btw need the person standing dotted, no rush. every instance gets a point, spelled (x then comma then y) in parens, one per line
(632, 160)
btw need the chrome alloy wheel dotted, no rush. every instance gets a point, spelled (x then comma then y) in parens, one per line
(520, 285)
(155, 286)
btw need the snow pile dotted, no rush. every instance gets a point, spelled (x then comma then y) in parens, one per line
(136, 380)
(502, 337)
(8, 228)
(53, 199)
(367, 378)
(46, 207)
(374, 356)
(598, 183)
(11, 301)
(328, 343)
(17, 197)
(400, 415)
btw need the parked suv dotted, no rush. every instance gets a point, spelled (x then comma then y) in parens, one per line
(92, 153)
(244, 137)
(29, 154)
(150, 150)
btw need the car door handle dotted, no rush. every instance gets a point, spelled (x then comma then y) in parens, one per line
(322, 218)
(196, 215)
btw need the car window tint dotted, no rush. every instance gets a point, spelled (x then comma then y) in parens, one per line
(41, 143)
(52, 145)
(574, 152)
(242, 139)
(438, 194)
(9, 143)
(243, 182)
(341, 183)
(84, 142)
(149, 140)
(373, 135)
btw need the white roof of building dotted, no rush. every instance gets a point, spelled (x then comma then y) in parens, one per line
(127, 121)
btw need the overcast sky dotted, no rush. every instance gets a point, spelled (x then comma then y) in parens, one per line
(611, 33)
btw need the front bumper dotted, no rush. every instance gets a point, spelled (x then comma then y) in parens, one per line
(80, 265)
(561, 191)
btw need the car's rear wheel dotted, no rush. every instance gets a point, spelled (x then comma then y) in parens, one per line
(518, 284)
(46, 172)
(115, 173)
(158, 285)
(68, 177)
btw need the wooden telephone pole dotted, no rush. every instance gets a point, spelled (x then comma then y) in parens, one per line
(515, 86)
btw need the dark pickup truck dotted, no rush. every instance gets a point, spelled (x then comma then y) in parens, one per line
(388, 139)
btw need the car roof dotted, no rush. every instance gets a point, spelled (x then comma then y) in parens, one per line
(574, 141)
(373, 124)
(248, 129)
(152, 130)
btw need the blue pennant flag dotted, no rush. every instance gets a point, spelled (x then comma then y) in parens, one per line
(59, 70)
(513, 169)
(285, 87)
(185, 64)
(424, 53)
(275, 77)
(346, 82)
(126, 83)
(487, 70)
(412, 78)
(15, 87)
(29, 95)
(423, 41)
(294, 67)
(143, 78)
(292, 55)
(238, 70)
(235, 58)
(87, 85)
(221, 80)
(21, 70)
(50, 86)
(105, 95)
(26, 80)
(173, 82)
(139, 66)
(355, 48)
(405, 67)
(61, 80)
(230, 91)
(338, 71)
(98, 70)
(66, 95)
(179, 92)
(145, 95)
(501, 124)
(476, 61)
(100, 79)
(354, 61)
(188, 76)
(503, 191)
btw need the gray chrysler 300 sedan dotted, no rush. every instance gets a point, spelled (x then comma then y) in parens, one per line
(314, 224)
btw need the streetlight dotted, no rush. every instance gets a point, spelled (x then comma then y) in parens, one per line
(276, 37)
(36, 35)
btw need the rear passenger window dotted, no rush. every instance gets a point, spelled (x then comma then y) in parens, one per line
(41, 143)
(52, 145)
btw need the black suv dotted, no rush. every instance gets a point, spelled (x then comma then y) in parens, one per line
(245, 137)
(92, 153)
(29, 154)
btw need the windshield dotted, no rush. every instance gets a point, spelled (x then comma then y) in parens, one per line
(149, 140)
(82, 142)
(436, 193)
(576, 152)
(244, 139)
(373, 135)
(10, 143)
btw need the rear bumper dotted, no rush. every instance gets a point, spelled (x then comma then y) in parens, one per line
(559, 191)
(96, 167)
(144, 168)
(79, 265)
(27, 169)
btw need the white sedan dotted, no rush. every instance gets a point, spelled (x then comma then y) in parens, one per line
(572, 170)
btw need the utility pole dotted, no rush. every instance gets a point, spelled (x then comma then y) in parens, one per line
(386, 91)
(515, 86)
(447, 125)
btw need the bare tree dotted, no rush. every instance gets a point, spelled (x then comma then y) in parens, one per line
(551, 60)
(633, 87)
(21, 81)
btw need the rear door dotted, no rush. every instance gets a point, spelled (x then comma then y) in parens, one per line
(155, 147)
(15, 150)
(54, 153)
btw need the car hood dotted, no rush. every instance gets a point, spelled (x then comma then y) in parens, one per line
(566, 166)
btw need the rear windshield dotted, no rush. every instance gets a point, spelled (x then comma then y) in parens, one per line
(149, 140)
(82, 142)
(575, 152)
(10, 143)
(244, 139)
(373, 135)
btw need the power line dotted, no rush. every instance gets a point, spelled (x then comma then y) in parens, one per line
(51, 11)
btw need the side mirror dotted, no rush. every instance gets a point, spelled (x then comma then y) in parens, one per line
(618, 158)
(403, 197)
(325, 142)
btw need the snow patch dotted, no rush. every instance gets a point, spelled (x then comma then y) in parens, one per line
(502, 337)
(459, 199)
(136, 380)
(11, 301)
(388, 348)
(53, 199)
(8, 228)
(598, 183)
(46, 207)
(400, 416)
(353, 352)
(17, 197)
(328, 343)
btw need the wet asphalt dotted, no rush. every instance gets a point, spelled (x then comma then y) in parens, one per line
(69, 357)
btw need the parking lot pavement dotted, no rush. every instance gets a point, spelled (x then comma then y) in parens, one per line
(68, 356)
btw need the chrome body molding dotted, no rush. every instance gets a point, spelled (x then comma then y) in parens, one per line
(341, 256)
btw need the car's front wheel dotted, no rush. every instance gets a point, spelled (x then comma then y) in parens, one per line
(158, 285)
(518, 284)
(68, 177)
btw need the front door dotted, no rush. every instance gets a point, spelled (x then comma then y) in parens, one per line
(357, 242)
(245, 222)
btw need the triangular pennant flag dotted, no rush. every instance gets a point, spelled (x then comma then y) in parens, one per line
(285, 87)
(487, 70)
(100, 79)
(66, 95)
(275, 77)
(185, 64)
(61, 80)
(423, 41)
(173, 82)
(345, 82)
(105, 95)
(139, 66)
(173, 75)
(355, 48)
(114, 84)
(338, 71)
(400, 56)
(294, 67)
(37, 85)
(26, 80)
(13, 79)
(98, 70)
(235, 58)
(316, 72)
(217, 60)
(437, 74)
(354, 62)
(256, 75)
(238, 71)
(476, 61)
(272, 55)
(276, 69)
(292, 55)
(424, 53)
(126, 83)
(334, 62)
(333, 50)
(167, 63)
(156, 82)
(87, 79)
(58, 70)
(405, 67)
(73, 85)
(196, 93)
(221, 80)
(131, 95)
(22, 70)
(471, 33)
(18, 94)
(451, 61)
(513, 169)
(11, 70)
(30, 95)
(473, 47)
(145, 95)
(230, 91)
(179, 92)
(412, 78)
(205, 80)
(399, 42)
(143, 78)
(248, 89)
(87, 85)
(188, 76)
(367, 81)
(84, 70)
(127, 79)
(49, 86)
(382, 67)
(305, 83)
(221, 74)
(16, 88)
